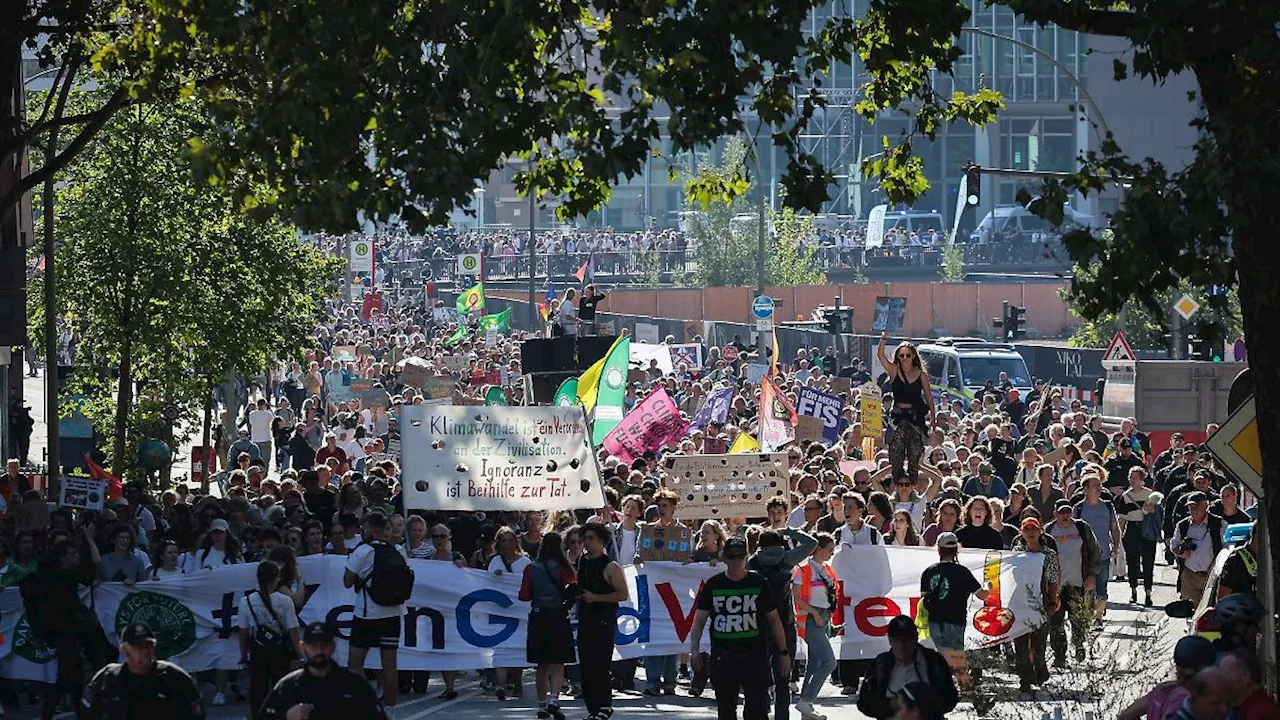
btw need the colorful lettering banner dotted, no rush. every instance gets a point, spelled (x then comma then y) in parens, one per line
(497, 458)
(651, 424)
(463, 619)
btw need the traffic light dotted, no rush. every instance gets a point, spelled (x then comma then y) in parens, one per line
(1013, 325)
(998, 323)
(839, 320)
(833, 321)
(1206, 343)
(973, 185)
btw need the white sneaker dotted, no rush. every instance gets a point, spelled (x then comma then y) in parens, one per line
(807, 711)
(795, 688)
(218, 700)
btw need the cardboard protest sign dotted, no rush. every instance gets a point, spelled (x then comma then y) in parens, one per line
(827, 408)
(721, 486)
(82, 493)
(337, 390)
(498, 458)
(664, 543)
(456, 364)
(414, 372)
(436, 388)
(374, 398)
(809, 428)
(361, 385)
(841, 385)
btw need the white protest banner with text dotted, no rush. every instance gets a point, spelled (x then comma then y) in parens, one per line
(465, 619)
(497, 458)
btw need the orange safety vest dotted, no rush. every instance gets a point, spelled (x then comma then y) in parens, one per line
(805, 573)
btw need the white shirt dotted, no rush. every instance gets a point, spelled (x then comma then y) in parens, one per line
(360, 562)
(260, 425)
(569, 312)
(196, 560)
(497, 567)
(162, 574)
(916, 508)
(846, 537)
(254, 613)
(627, 548)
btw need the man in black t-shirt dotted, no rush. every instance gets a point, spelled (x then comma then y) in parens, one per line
(741, 609)
(945, 588)
(587, 309)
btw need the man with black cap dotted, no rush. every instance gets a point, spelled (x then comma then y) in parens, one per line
(1196, 541)
(141, 686)
(741, 608)
(321, 689)
(906, 662)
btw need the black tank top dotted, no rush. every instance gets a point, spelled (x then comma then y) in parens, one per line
(591, 579)
(908, 392)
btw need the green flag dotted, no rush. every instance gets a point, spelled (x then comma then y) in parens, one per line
(611, 396)
(495, 396)
(457, 337)
(471, 300)
(501, 321)
(567, 395)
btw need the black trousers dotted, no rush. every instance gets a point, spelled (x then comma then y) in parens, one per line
(595, 653)
(745, 673)
(266, 666)
(1140, 555)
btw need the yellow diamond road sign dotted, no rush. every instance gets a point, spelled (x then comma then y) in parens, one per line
(1236, 446)
(1186, 306)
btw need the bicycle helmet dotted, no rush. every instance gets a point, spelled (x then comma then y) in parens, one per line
(1238, 608)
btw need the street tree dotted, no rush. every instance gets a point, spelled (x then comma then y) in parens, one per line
(166, 279)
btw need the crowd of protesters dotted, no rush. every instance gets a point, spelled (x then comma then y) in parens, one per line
(313, 470)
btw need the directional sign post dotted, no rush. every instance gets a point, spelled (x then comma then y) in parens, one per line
(1236, 446)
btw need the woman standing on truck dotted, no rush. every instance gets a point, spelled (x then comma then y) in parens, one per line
(913, 411)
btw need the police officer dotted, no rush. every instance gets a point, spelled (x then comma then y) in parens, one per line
(321, 689)
(141, 686)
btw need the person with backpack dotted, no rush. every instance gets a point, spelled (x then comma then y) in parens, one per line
(545, 585)
(380, 575)
(268, 634)
(945, 588)
(778, 554)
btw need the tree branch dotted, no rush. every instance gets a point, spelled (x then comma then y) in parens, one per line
(118, 100)
(1075, 15)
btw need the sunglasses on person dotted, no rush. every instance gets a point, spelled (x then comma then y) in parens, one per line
(904, 483)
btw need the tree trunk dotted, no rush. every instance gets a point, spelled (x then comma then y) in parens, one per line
(124, 403)
(1252, 199)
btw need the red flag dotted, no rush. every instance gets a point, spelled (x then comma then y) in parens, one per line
(115, 488)
(582, 271)
(777, 417)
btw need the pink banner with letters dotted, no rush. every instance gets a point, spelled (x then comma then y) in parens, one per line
(652, 423)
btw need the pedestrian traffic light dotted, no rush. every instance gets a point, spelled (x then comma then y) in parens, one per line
(998, 323)
(973, 185)
(1013, 325)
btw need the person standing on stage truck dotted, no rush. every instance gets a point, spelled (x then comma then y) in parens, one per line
(587, 308)
(141, 686)
(740, 606)
(380, 574)
(321, 689)
(603, 588)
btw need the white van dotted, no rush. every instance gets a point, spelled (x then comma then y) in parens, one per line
(960, 367)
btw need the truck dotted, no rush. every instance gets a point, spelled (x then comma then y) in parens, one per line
(1168, 396)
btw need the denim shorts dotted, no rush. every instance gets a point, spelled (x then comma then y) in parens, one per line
(947, 636)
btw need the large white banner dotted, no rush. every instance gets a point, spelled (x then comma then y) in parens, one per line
(880, 583)
(463, 619)
(498, 458)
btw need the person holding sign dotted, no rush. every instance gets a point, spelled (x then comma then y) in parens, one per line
(912, 395)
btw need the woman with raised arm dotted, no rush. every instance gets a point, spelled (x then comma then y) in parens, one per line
(913, 411)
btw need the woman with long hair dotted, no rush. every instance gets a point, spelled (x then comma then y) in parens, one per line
(948, 521)
(814, 591)
(903, 532)
(442, 539)
(913, 411)
(312, 537)
(549, 646)
(976, 533)
(879, 511)
(23, 562)
(511, 560)
(1140, 508)
(165, 564)
(291, 581)
(711, 540)
(416, 544)
(350, 500)
(268, 634)
(219, 547)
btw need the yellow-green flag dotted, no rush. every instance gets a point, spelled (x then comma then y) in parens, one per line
(471, 300)
(589, 381)
(610, 401)
(744, 443)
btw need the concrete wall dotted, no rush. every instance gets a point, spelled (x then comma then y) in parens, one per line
(932, 308)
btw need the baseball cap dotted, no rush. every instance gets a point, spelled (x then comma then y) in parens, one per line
(900, 627)
(316, 633)
(1061, 505)
(948, 540)
(219, 524)
(1196, 497)
(1193, 651)
(735, 543)
(138, 633)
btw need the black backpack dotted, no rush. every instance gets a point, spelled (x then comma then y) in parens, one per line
(391, 582)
